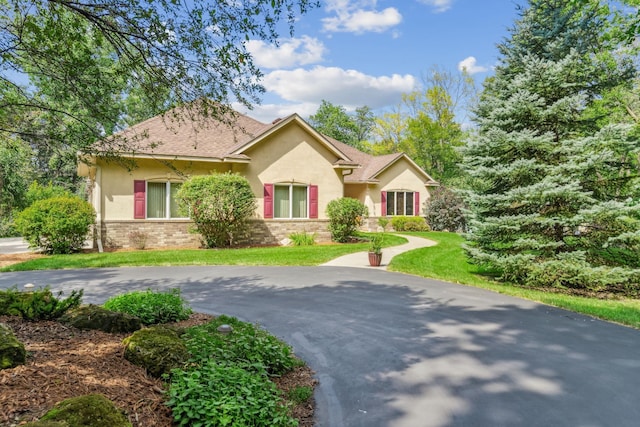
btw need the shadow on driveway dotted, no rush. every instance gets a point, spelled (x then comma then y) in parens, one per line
(397, 350)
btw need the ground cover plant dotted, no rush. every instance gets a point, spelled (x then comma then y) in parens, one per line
(239, 363)
(65, 362)
(150, 306)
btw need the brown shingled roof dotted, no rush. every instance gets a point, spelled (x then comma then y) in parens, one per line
(190, 137)
(211, 138)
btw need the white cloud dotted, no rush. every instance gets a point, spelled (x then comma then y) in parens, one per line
(289, 53)
(359, 17)
(349, 88)
(439, 5)
(470, 64)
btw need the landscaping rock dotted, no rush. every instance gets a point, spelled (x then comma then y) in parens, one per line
(93, 410)
(12, 351)
(157, 349)
(96, 317)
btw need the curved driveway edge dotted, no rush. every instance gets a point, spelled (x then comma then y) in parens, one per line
(396, 350)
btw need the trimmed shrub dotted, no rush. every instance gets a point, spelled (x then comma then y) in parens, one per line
(151, 307)
(409, 223)
(219, 205)
(444, 211)
(345, 216)
(41, 192)
(56, 226)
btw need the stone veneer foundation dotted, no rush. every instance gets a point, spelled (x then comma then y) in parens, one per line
(116, 234)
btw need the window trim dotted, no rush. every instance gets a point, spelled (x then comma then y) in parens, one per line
(168, 184)
(389, 195)
(290, 186)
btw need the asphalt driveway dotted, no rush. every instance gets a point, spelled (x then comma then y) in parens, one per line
(396, 350)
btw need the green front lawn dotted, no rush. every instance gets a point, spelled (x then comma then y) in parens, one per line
(447, 261)
(275, 255)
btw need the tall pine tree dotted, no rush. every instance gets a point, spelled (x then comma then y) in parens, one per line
(556, 198)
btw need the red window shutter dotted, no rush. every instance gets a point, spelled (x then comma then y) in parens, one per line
(268, 200)
(416, 206)
(313, 201)
(383, 203)
(139, 199)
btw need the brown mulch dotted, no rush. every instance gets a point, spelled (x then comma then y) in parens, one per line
(9, 259)
(64, 362)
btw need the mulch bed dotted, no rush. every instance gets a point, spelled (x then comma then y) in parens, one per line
(64, 362)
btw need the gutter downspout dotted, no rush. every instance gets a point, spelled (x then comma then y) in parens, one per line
(97, 198)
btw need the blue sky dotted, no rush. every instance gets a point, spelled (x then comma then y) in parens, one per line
(370, 52)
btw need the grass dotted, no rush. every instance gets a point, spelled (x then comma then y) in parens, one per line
(290, 255)
(447, 261)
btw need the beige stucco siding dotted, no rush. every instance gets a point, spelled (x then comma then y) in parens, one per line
(293, 156)
(402, 175)
(117, 182)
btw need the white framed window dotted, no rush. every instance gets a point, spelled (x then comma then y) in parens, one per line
(290, 201)
(161, 200)
(400, 203)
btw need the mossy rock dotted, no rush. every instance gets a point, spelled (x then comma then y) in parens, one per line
(45, 424)
(157, 349)
(91, 410)
(12, 351)
(96, 317)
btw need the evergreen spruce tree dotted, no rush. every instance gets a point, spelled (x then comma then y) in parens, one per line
(556, 199)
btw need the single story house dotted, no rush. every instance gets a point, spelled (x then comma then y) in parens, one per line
(293, 170)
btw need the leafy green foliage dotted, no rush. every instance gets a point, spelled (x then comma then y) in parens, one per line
(445, 210)
(151, 307)
(86, 61)
(38, 192)
(41, 304)
(375, 242)
(303, 239)
(555, 201)
(56, 226)
(15, 173)
(409, 223)
(334, 121)
(247, 345)
(220, 394)
(219, 205)
(345, 216)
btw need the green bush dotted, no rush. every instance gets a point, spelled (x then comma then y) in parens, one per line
(41, 192)
(151, 307)
(41, 304)
(444, 211)
(409, 223)
(345, 216)
(303, 239)
(247, 345)
(217, 394)
(219, 205)
(58, 225)
(93, 410)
